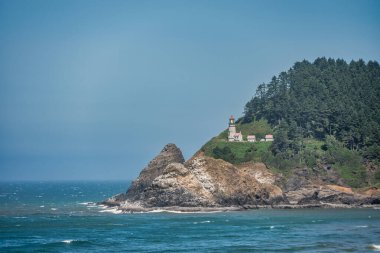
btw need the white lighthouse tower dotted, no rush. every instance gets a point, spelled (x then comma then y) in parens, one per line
(232, 134)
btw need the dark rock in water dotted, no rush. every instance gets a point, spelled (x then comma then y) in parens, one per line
(204, 182)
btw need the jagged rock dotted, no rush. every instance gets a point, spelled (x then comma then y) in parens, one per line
(231, 185)
(327, 194)
(200, 182)
(176, 186)
(169, 154)
(204, 182)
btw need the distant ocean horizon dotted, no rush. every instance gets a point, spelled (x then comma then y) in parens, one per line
(62, 216)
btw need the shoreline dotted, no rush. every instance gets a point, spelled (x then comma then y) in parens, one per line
(181, 209)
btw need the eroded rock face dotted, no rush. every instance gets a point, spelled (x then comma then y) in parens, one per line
(203, 181)
(176, 186)
(230, 185)
(169, 154)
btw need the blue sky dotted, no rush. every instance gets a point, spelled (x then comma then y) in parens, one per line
(93, 90)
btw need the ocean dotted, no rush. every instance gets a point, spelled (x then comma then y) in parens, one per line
(63, 217)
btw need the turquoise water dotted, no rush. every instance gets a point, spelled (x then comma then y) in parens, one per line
(59, 217)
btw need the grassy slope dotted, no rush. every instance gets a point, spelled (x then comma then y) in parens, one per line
(348, 164)
(242, 150)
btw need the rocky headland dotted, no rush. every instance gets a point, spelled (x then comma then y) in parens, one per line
(206, 184)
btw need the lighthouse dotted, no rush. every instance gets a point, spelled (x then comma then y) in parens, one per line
(232, 134)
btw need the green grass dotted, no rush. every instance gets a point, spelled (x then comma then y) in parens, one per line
(243, 151)
(352, 176)
(315, 152)
(259, 128)
(313, 144)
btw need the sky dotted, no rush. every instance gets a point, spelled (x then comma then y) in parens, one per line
(93, 90)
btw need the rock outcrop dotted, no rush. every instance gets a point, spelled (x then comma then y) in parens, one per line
(168, 155)
(168, 182)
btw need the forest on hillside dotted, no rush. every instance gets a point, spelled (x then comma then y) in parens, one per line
(324, 100)
(325, 117)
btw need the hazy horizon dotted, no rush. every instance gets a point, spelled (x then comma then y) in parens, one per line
(93, 90)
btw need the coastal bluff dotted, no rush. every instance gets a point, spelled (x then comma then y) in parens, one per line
(203, 183)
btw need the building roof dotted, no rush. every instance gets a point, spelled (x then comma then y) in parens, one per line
(251, 136)
(232, 117)
(269, 136)
(237, 134)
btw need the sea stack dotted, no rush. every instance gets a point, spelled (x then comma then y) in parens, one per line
(205, 184)
(201, 182)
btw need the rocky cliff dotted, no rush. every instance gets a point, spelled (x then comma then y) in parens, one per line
(205, 183)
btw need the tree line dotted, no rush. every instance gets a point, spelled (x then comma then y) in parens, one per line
(322, 99)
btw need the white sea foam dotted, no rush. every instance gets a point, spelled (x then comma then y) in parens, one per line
(169, 211)
(53, 209)
(86, 203)
(206, 221)
(271, 227)
(375, 247)
(68, 241)
(42, 206)
(165, 211)
(20, 217)
(180, 212)
(111, 210)
(157, 211)
(362, 226)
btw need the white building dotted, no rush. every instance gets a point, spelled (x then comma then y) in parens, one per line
(232, 134)
(251, 138)
(269, 137)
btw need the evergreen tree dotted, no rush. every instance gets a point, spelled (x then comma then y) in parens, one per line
(319, 99)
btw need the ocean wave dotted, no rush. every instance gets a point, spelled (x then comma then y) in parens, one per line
(202, 222)
(277, 226)
(362, 226)
(74, 241)
(165, 211)
(86, 203)
(111, 210)
(68, 241)
(180, 212)
(375, 247)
